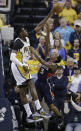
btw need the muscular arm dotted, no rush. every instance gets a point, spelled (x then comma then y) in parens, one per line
(47, 40)
(56, 9)
(66, 108)
(78, 108)
(14, 59)
(49, 65)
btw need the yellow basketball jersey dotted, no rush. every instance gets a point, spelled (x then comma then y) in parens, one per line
(21, 70)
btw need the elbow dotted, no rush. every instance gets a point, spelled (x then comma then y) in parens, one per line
(13, 55)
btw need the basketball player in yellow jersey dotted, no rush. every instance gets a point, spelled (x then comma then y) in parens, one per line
(19, 56)
(20, 70)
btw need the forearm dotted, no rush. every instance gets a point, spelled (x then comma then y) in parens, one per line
(15, 60)
(78, 108)
(42, 23)
(66, 108)
(47, 43)
(39, 58)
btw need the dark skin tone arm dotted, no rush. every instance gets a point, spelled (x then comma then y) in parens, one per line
(47, 40)
(49, 65)
(45, 51)
(56, 9)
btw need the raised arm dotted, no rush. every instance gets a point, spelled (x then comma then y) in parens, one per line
(78, 108)
(49, 65)
(56, 9)
(17, 62)
(14, 59)
(47, 40)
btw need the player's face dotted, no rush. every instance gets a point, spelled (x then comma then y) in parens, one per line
(54, 56)
(24, 32)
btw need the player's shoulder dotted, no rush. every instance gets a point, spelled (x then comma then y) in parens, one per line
(18, 44)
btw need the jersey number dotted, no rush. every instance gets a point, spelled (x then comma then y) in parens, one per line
(42, 71)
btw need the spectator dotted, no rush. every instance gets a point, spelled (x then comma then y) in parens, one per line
(3, 21)
(51, 24)
(61, 1)
(59, 87)
(72, 112)
(79, 88)
(58, 37)
(79, 15)
(76, 78)
(75, 52)
(42, 46)
(76, 33)
(69, 69)
(74, 4)
(78, 6)
(61, 50)
(68, 13)
(64, 30)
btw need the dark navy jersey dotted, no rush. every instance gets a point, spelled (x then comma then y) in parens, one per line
(44, 71)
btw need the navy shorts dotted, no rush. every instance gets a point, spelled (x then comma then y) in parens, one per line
(44, 91)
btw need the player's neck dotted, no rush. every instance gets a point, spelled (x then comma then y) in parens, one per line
(22, 38)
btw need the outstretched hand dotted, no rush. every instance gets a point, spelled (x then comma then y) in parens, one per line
(57, 8)
(26, 69)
